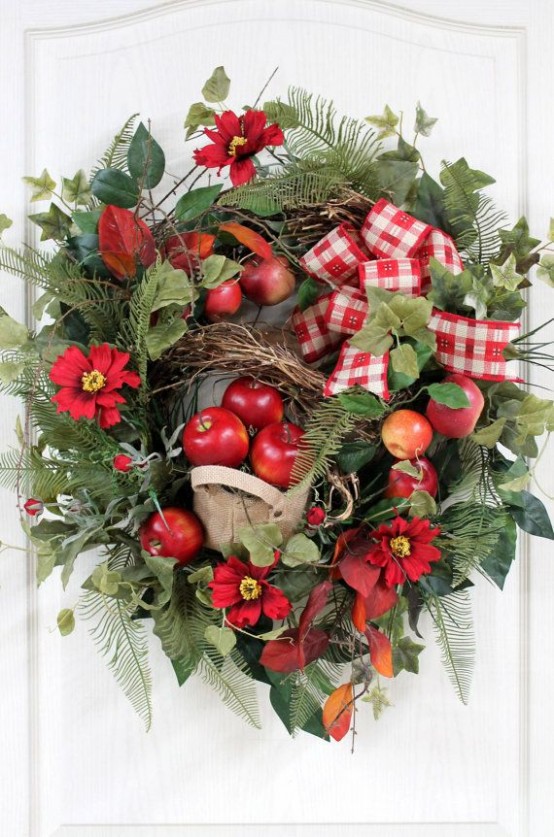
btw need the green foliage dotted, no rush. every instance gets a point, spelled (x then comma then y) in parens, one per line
(145, 158)
(295, 187)
(324, 433)
(115, 156)
(470, 534)
(454, 633)
(122, 640)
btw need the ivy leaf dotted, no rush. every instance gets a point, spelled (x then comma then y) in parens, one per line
(223, 639)
(385, 123)
(520, 243)
(449, 291)
(397, 380)
(374, 339)
(5, 223)
(145, 158)
(65, 621)
(216, 89)
(362, 404)
(55, 224)
(396, 178)
(404, 360)
(194, 203)
(112, 186)
(422, 504)
(217, 269)
(43, 186)
(460, 171)
(423, 122)
(489, 436)
(300, 549)
(199, 114)
(506, 275)
(545, 270)
(77, 190)
(261, 542)
(451, 395)
(12, 334)
(405, 656)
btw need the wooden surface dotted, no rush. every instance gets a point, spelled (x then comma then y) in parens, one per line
(75, 761)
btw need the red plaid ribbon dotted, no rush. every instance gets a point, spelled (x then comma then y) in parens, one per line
(473, 347)
(388, 232)
(402, 275)
(347, 311)
(314, 338)
(356, 367)
(438, 246)
(335, 258)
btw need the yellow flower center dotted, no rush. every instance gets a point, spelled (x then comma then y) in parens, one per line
(400, 546)
(235, 143)
(250, 588)
(93, 381)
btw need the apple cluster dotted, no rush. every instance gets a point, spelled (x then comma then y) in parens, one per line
(266, 281)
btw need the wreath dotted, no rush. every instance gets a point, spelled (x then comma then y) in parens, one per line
(288, 413)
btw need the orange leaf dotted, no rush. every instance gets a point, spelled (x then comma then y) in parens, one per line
(358, 613)
(380, 651)
(120, 264)
(249, 238)
(337, 711)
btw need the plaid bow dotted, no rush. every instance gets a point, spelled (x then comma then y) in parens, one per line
(335, 258)
(314, 338)
(347, 311)
(389, 232)
(402, 275)
(473, 347)
(438, 246)
(359, 368)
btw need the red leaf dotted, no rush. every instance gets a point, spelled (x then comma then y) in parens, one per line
(186, 249)
(249, 238)
(124, 239)
(380, 600)
(315, 604)
(313, 645)
(282, 654)
(380, 651)
(358, 574)
(337, 711)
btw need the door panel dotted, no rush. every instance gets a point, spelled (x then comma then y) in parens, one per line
(77, 757)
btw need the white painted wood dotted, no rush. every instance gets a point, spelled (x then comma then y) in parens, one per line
(75, 760)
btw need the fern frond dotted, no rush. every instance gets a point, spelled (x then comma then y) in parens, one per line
(134, 330)
(324, 434)
(27, 264)
(234, 687)
(310, 689)
(473, 530)
(476, 483)
(290, 190)
(454, 633)
(115, 156)
(122, 640)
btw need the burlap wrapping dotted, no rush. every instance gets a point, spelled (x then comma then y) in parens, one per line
(227, 500)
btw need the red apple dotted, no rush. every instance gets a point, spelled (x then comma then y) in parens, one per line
(452, 423)
(256, 404)
(274, 451)
(223, 301)
(267, 281)
(215, 436)
(400, 484)
(176, 533)
(406, 434)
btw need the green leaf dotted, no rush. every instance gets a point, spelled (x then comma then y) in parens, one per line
(405, 656)
(46, 561)
(378, 699)
(373, 338)
(422, 504)
(414, 314)
(216, 89)
(12, 334)
(203, 576)
(112, 186)
(406, 467)
(66, 621)
(217, 269)
(43, 186)
(354, 455)
(521, 244)
(460, 170)
(5, 223)
(449, 291)
(105, 580)
(308, 292)
(362, 403)
(87, 221)
(161, 337)
(429, 204)
(551, 230)
(77, 190)
(280, 112)
(479, 296)
(532, 516)
(451, 395)
(506, 275)
(396, 178)
(194, 203)
(54, 224)
(162, 569)
(145, 158)
(223, 639)
(174, 287)
(300, 549)
(545, 270)
(398, 380)
(489, 436)
(261, 542)
(10, 370)
(198, 114)
(423, 122)
(385, 123)
(183, 670)
(404, 360)
(500, 558)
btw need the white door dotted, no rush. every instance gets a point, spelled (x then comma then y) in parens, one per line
(74, 760)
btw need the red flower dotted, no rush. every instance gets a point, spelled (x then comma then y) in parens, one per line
(33, 507)
(404, 549)
(236, 139)
(243, 589)
(122, 463)
(315, 516)
(89, 384)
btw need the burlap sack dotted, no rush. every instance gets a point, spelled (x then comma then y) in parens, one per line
(227, 500)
